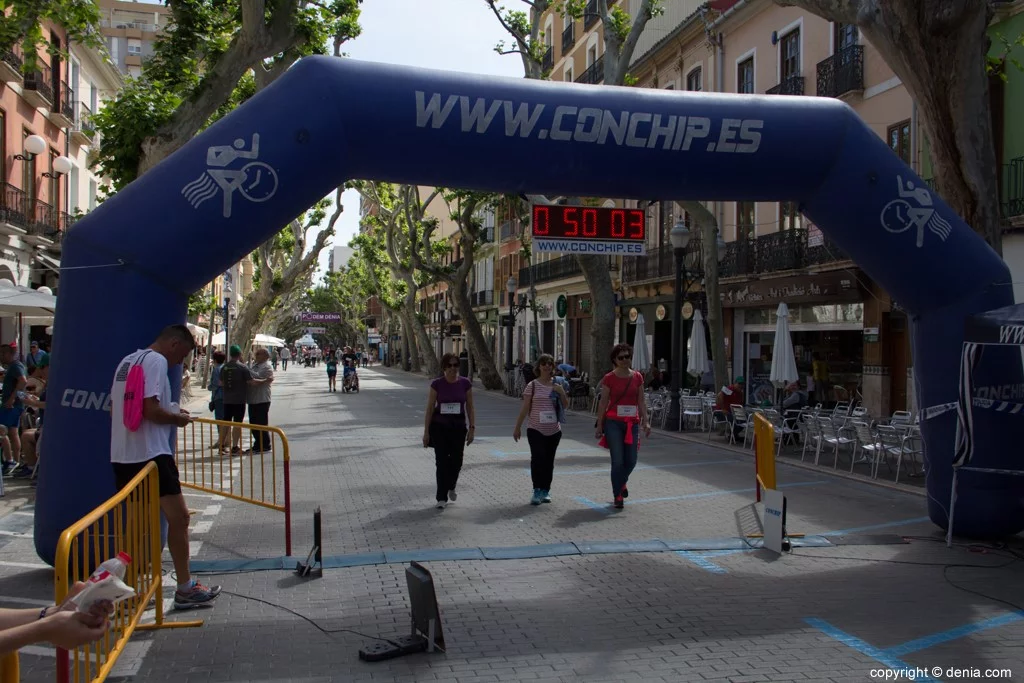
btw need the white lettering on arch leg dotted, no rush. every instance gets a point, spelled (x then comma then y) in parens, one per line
(557, 133)
(632, 138)
(697, 127)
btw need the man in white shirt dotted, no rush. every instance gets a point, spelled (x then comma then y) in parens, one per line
(286, 355)
(154, 441)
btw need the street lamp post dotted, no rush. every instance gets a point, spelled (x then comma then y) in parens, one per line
(510, 287)
(680, 237)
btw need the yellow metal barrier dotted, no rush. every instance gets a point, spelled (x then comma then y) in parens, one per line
(764, 454)
(260, 476)
(9, 669)
(129, 522)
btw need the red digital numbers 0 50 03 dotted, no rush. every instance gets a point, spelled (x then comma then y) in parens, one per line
(588, 223)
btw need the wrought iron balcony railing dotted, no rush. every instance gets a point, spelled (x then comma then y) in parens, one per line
(794, 85)
(659, 264)
(594, 73)
(1013, 188)
(12, 57)
(34, 216)
(568, 37)
(67, 101)
(41, 82)
(556, 269)
(547, 62)
(485, 298)
(784, 250)
(842, 73)
(590, 15)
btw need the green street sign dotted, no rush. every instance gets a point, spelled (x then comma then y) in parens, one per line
(562, 305)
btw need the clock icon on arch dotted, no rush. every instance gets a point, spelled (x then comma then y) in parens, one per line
(259, 181)
(896, 216)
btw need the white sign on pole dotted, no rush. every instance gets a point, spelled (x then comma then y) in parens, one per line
(316, 330)
(774, 519)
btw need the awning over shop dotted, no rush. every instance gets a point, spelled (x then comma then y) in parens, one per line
(48, 262)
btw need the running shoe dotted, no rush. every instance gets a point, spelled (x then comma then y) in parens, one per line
(441, 504)
(545, 496)
(452, 496)
(619, 503)
(197, 596)
(625, 491)
(537, 496)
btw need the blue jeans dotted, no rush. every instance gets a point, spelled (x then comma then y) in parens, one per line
(623, 454)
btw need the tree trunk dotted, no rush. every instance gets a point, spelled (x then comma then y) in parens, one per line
(939, 49)
(489, 375)
(705, 220)
(599, 279)
(425, 345)
(413, 331)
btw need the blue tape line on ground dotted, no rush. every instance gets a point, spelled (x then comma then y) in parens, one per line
(432, 555)
(601, 547)
(722, 492)
(240, 565)
(530, 551)
(953, 634)
(866, 649)
(704, 563)
(592, 505)
(358, 560)
(604, 470)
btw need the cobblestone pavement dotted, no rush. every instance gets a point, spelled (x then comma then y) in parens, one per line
(819, 614)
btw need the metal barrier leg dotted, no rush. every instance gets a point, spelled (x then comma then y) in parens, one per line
(287, 509)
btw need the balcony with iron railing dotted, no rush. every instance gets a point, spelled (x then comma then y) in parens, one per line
(63, 111)
(37, 87)
(779, 251)
(594, 73)
(659, 264)
(485, 298)
(555, 269)
(509, 230)
(36, 217)
(1012, 194)
(11, 64)
(547, 62)
(84, 130)
(568, 37)
(842, 73)
(794, 85)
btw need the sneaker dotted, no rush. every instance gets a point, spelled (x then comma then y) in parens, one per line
(441, 504)
(22, 472)
(619, 503)
(625, 491)
(8, 467)
(452, 496)
(545, 496)
(537, 496)
(197, 596)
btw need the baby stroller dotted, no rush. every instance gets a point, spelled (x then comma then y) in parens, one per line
(350, 378)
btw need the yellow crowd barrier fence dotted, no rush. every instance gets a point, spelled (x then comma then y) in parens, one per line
(764, 454)
(128, 522)
(241, 461)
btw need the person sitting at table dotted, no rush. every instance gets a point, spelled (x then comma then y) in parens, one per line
(654, 378)
(796, 398)
(728, 397)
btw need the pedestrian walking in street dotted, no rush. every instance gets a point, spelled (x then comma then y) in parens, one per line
(259, 400)
(332, 372)
(621, 413)
(448, 425)
(217, 400)
(286, 355)
(150, 441)
(544, 403)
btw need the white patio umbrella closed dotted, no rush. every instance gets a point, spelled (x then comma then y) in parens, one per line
(15, 300)
(697, 363)
(641, 354)
(783, 360)
(267, 340)
(219, 338)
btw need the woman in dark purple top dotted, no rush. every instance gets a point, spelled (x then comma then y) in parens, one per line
(448, 425)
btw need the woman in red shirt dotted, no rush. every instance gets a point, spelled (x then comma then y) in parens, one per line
(620, 414)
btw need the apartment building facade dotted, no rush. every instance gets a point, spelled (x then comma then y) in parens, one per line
(129, 30)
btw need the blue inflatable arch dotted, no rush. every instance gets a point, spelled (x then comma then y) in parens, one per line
(125, 272)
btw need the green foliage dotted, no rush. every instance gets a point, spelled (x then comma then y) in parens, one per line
(200, 302)
(183, 65)
(995, 63)
(21, 22)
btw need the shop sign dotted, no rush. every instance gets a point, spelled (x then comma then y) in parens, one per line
(660, 312)
(562, 305)
(633, 315)
(838, 287)
(687, 310)
(316, 317)
(543, 310)
(871, 334)
(585, 305)
(815, 237)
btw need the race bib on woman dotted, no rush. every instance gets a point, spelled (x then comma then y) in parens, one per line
(548, 417)
(626, 411)
(451, 408)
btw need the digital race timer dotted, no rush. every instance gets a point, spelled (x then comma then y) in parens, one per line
(553, 222)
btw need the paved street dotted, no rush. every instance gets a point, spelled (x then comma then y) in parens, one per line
(566, 608)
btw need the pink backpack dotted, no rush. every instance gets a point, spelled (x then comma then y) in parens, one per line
(134, 394)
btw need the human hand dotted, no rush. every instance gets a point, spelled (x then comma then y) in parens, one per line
(516, 434)
(469, 436)
(69, 630)
(426, 439)
(182, 419)
(647, 429)
(599, 430)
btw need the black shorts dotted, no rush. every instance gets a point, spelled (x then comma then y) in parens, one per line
(234, 412)
(166, 469)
